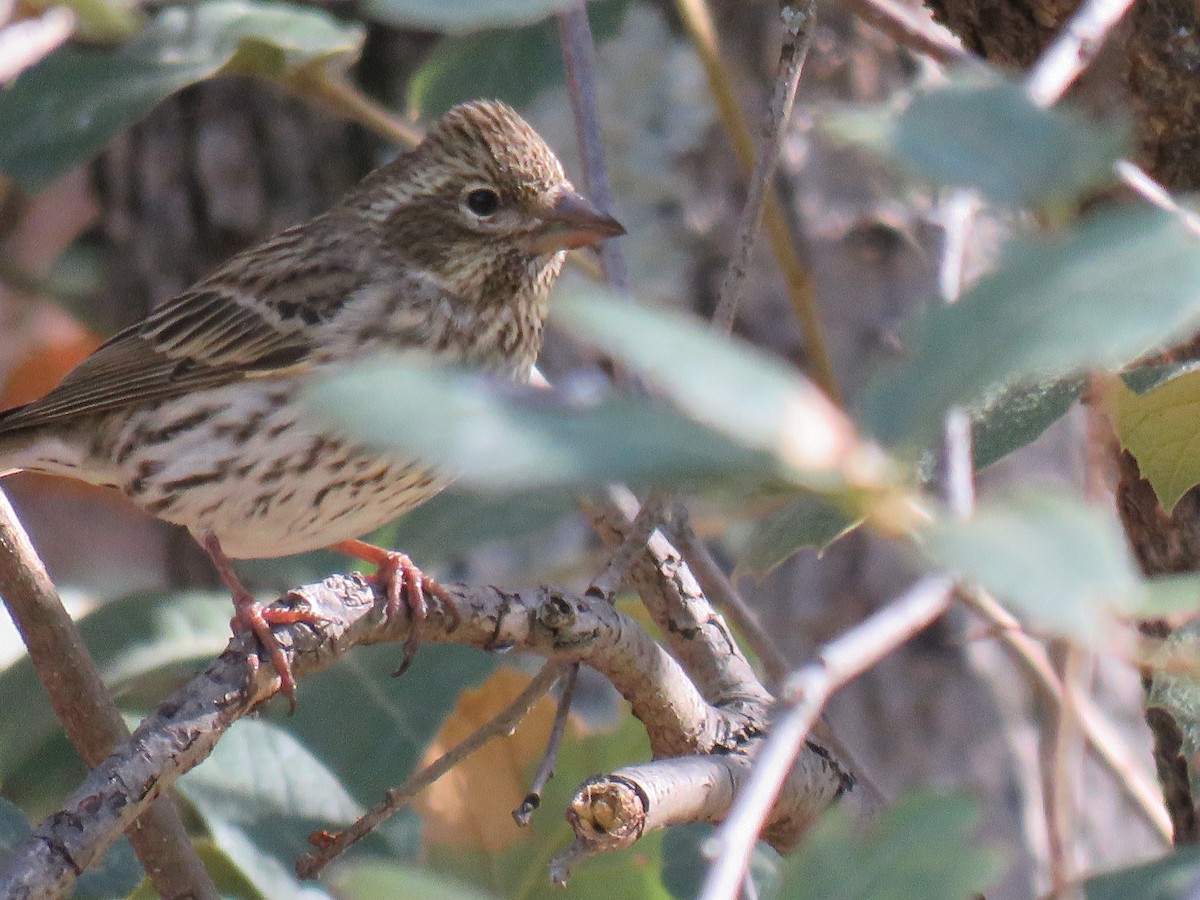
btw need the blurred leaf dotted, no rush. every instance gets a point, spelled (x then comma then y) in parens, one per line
(1018, 416)
(100, 21)
(373, 879)
(1116, 287)
(1174, 877)
(471, 806)
(984, 133)
(132, 639)
(260, 794)
(496, 436)
(808, 521)
(684, 863)
(1161, 428)
(509, 64)
(920, 847)
(115, 875)
(1168, 595)
(728, 385)
(370, 729)
(439, 15)
(1050, 556)
(455, 521)
(64, 109)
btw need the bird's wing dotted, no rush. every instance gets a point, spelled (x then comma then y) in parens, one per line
(205, 338)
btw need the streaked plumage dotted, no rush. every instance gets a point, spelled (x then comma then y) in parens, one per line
(451, 248)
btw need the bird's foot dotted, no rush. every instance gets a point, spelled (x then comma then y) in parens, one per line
(250, 615)
(405, 585)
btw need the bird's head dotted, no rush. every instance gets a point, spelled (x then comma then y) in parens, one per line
(483, 199)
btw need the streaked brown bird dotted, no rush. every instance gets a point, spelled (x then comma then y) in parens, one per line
(194, 412)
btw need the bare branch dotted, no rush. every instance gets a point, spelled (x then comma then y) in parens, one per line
(84, 707)
(1073, 49)
(186, 727)
(903, 26)
(579, 56)
(697, 20)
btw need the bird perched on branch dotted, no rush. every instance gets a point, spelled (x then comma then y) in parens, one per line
(195, 411)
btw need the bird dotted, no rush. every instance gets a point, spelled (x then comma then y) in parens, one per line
(195, 412)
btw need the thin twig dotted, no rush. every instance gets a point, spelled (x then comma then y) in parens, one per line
(523, 813)
(903, 26)
(85, 708)
(1061, 777)
(798, 31)
(804, 696)
(331, 846)
(579, 57)
(347, 100)
(1138, 785)
(698, 22)
(1073, 49)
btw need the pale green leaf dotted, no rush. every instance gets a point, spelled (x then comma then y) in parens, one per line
(1100, 297)
(510, 64)
(496, 436)
(984, 133)
(260, 794)
(64, 109)
(920, 847)
(1059, 561)
(728, 385)
(459, 16)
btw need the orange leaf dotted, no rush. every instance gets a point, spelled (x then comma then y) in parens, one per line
(471, 806)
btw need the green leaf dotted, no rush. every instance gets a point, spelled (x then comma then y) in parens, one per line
(684, 863)
(439, 15)
(64, 109)
(1102, 296)
(392, 719)
(920, 847)
(498, 437)
(1049, 556)
(728, 385)
(143, 645)
(808, 521)
(260, 794)
(375, 879)
(1161, 429)
(1171, 878)
(1018, 416)
(509, 64)
(984, 133)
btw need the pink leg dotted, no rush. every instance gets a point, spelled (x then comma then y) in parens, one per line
(405, 584)
(252, 616)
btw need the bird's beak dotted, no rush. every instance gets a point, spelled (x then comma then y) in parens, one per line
(574, 221)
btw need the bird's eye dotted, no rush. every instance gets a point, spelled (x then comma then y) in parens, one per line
(483, 202)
